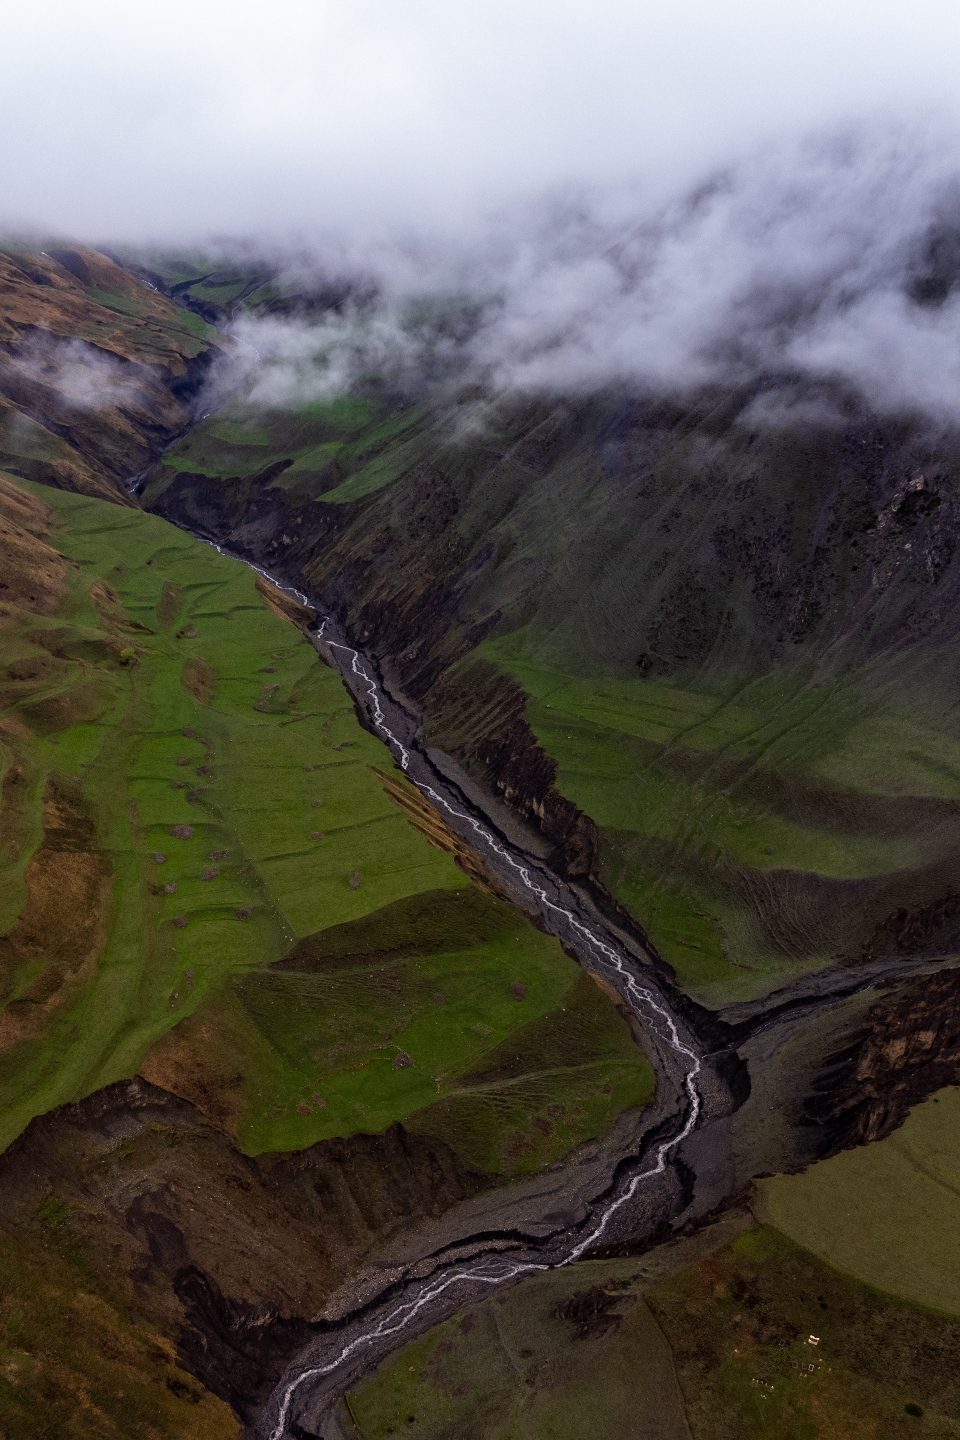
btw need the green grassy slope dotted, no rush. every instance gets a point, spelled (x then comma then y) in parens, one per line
(338, 449)
(737, 643)
(206, 810)
(759, 830)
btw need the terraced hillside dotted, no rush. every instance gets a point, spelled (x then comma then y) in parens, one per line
(214, 879)
(711, 661)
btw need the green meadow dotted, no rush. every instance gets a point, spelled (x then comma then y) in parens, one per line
(277, 941)
(755, 832)
(512, 1366)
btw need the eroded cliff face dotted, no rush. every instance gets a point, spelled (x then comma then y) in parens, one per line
(97, 370)
(226, 1257)
(476, 714)
(907, 1047)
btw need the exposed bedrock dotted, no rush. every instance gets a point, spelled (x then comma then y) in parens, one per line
(907, 1046)
(836, 1066)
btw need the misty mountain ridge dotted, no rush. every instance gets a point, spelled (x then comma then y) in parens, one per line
(833, 260)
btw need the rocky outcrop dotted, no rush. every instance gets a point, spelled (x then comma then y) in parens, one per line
(926, 929)
(476, 713)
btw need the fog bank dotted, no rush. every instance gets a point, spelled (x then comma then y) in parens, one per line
(833, 258)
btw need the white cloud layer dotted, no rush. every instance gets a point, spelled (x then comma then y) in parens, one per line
(372, 137)
(177, 119)
(835, 258)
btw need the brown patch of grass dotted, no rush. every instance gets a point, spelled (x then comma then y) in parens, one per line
(170, 597)
(32, 573)
(202, 1060)
(283, 605)
(80, 705)
(63, 924)
(197, 678)
(738, 1324)
(51, 440)
(72, 1363)
(15, 810)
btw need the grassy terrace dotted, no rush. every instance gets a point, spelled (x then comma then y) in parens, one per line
(339, 450)
(887, 1213)
(758, 832)
(214, 886)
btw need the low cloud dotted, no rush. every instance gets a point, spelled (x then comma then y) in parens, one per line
(834, 260)
(79, 375)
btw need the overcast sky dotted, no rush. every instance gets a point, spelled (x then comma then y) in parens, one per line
(170, 119)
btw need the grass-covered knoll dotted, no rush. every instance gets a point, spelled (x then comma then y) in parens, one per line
(888, 1213)
(189, 798)
(756, 830)
(706, 1338)
(74, 1363)
(339, 450)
